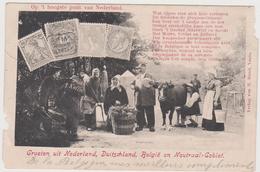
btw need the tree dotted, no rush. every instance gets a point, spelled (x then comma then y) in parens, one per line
(233, 63)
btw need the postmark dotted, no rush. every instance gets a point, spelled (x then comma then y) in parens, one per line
(35, 50)
(63, 37)
(92, 39)
(119, 42)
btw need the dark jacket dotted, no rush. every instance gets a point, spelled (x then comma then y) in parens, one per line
(46, 89)
(145, 95)
(114, 95)
(196, 84)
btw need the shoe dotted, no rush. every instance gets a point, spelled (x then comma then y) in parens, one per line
(152, 129)
(90, 129)
(74, 137)
(164, 127)
(180, 125)
(170, 128)
(195, 125)
(138, 128)
(191, 125)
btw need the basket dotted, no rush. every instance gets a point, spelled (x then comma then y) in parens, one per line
(53, 121)
(123, 122)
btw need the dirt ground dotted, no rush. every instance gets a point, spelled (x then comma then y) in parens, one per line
(176, 138)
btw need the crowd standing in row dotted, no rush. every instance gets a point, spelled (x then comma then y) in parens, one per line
(144, 89)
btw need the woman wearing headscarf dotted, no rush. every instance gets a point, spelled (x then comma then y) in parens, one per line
(91, 98)
(115, 95)
(211, 104)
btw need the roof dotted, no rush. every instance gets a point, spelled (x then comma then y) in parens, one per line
(127, 74)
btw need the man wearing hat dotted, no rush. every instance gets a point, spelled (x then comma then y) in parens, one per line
(47, 86)
(144, 85)
(68, 101)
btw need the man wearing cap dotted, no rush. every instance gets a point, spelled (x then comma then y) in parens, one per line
(195, 82)
(144, 85)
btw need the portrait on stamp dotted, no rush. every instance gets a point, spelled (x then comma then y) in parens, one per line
(92, 39)
(119, 41)
(35, 50)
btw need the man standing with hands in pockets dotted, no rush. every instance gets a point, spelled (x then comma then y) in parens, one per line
(145, 86)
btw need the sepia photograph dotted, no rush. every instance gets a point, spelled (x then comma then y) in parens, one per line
(84, 101)
(130, 87)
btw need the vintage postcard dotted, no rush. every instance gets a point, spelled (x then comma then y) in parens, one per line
(130, 87)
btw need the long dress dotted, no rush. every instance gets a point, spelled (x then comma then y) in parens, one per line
(112, 95)
(209, 117)
(92, 96)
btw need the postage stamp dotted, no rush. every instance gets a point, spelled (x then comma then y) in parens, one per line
(119, 42)
(63, 38)
(35, 50)
(92, 39)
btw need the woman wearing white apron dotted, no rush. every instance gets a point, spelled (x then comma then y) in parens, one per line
(211, 104)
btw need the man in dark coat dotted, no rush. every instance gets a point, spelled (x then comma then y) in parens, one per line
(144, 85)
(195, 82)
(48, 85)
(66, 99)
(70, 100)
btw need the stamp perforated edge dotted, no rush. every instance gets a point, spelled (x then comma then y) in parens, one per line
(131, 29)
(76, 20)
(42, 63)
(93, 24)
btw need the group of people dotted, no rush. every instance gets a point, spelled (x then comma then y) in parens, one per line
(144, 87)
(144, 90)
(211, 104)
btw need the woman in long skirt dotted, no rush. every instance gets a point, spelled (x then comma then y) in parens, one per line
(91, 99)
(211, 104)
(115, 96)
